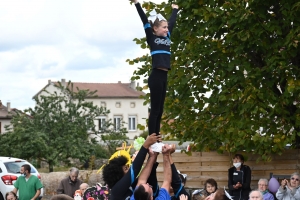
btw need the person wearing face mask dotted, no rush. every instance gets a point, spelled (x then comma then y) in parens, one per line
(239, 179)
(289, 190)
(29, 186)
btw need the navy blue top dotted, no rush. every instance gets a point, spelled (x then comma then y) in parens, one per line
(159, 45)
(123, 189)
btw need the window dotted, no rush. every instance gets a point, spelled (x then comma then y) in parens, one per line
(117, 122)
(103, 104)
(132, 105)
(132, 123)
(118, 104)
(101, 124)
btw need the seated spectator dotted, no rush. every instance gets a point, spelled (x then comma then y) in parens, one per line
(289, 190)
(10, 196)
(219, 195)
(263, 188)
(83, 187)
(255, 195)
(210, 186)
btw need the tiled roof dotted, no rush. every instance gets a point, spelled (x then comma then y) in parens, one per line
(105, 90)
(108, 90)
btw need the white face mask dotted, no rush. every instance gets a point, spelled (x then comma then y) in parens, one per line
(237, 165)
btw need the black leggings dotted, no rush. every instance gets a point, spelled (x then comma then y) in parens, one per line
(158, 86)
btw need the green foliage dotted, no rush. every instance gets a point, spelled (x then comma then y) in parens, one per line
(144, 134)
(234, 83)
(100, 151)
(114, 138)
(60, 127)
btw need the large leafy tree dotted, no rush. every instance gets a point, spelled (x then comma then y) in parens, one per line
(60, 127)
(234, 83)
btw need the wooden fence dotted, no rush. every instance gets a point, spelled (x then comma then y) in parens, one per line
(203, 165)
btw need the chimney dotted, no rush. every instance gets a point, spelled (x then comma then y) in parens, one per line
(8, 106)
(49, 81)
(119, 81)
(132, 85)
(63, 82)
(0, 104)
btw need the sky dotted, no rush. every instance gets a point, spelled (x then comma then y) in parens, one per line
(77, 40)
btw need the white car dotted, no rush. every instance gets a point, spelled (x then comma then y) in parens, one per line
(10, 171)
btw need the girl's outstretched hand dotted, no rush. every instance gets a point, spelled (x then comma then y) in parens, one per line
(174, 6)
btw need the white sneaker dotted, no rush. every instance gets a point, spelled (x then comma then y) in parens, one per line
(157, 147)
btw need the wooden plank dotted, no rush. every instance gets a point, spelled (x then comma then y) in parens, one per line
(275, 167)
(196, 168)
(213, 174)
(215, 163)
(214, 153)
(215, 158)
(204, 165)
(181, 159)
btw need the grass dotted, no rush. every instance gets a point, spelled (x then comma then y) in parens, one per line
(55, 169)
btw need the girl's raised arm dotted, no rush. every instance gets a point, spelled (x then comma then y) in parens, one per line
(172, 19)
(144, 19)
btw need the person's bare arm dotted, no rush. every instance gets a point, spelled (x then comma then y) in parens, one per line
(15, 190)
(167, 167)
(37, 194)
(147, 169)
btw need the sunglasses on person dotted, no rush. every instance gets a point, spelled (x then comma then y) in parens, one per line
(295, 179)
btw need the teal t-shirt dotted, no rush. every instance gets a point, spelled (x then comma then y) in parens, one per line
(27, 189)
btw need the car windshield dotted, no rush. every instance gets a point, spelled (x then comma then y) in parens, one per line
(14, 167)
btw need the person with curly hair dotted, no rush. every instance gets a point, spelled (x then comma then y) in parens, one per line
(121, 178)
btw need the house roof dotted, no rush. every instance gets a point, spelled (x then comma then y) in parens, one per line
(106, 90)
(4, 114)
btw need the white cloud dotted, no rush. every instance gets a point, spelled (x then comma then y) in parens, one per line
(79, 40)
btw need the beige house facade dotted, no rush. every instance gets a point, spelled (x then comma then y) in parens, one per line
(122, 99)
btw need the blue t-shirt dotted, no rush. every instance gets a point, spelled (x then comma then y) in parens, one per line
(163, 195)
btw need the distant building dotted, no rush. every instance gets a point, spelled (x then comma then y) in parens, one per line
(122, 99)
(6, 113)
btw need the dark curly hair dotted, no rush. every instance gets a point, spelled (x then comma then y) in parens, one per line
(113, 171)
